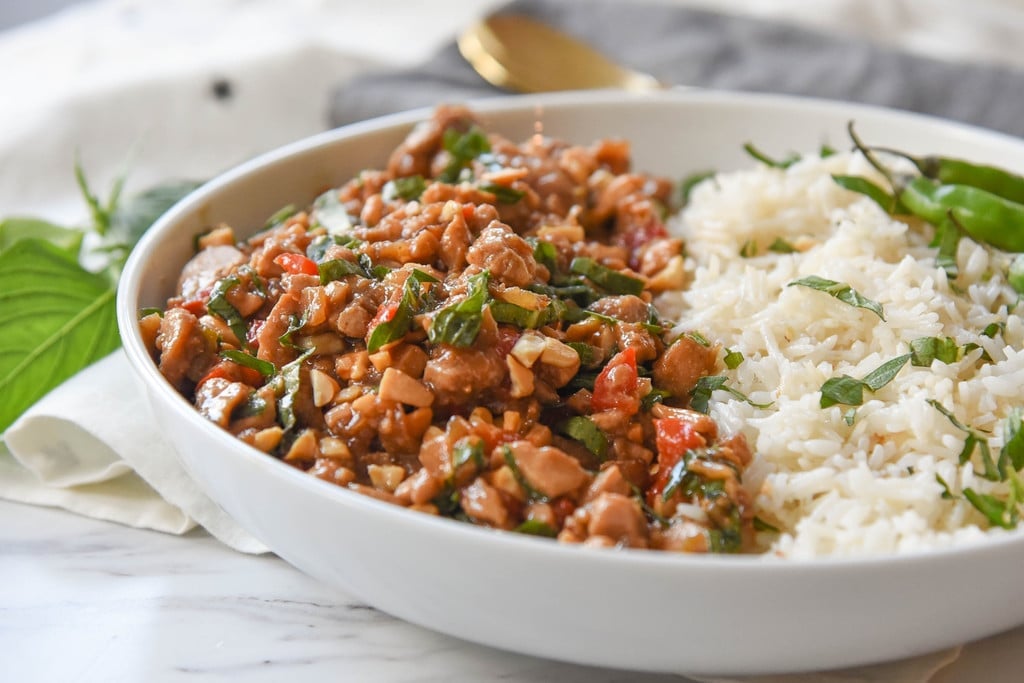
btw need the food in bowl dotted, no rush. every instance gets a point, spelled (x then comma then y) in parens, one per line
(470, 333)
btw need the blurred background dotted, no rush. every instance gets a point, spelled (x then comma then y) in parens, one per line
(186, 88)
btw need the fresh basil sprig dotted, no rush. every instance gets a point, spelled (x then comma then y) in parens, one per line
(459, 323)
(849, 391)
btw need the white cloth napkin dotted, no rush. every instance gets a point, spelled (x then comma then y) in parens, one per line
(92, 447)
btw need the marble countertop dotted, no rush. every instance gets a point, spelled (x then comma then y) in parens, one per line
(89, 601)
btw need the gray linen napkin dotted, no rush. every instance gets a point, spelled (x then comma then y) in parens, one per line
(694, 47)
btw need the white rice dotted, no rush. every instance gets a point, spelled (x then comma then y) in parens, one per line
(835, 489)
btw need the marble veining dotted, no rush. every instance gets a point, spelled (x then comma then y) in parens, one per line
(88, 601)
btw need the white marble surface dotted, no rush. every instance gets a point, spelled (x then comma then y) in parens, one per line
(89, 601)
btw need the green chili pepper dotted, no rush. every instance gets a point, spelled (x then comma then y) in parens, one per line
(984, 216)
(951, 171)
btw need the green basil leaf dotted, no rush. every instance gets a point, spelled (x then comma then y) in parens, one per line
(329, 212)
(264, 367)
(280, 216)
(14, 230)
(761, 525)
(850, 416)
(606, 278)
(399, 324)
(841, 291)
(408, 188)
(222, 308)
(768, 161)
(503, 193)
(535, 527)
(885, 373)
(748, 249)
(844, 390)
(924, 350)
(732, 359)
(581, 428)
(57, 319)
(336, 269)
(996, 511)
(781, 246)
(468, 449)
(131, 218)
(707, 385)
(691, 181)
(463, 149)
(291, 379)
(510, 459)
(459, 323)
(1012, 453)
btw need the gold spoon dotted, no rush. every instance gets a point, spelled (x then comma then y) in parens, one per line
(516, 52)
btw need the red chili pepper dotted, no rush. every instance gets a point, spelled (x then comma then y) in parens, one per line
(385, 313)
(296, 264)
(195, 307)
(618, 385)
(673, 437)
(233, 372)
(252, 335)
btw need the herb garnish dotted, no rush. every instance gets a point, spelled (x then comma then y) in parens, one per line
(407, 188)
(265, 368)
(849, 391)
(582, 429)
(459, 323)
(219, 305)
(841, 291)
(463, 149)
(709, 384)
(606, 278)
(400, 321)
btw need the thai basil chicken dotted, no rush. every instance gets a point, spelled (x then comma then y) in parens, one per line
(470, 333)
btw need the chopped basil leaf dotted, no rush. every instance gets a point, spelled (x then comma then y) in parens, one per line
(732, 359)
(581, 428)
(295, 324)
(329, 212)
(291, 379)
(546, 254)
(408, 188)
(1015, 274)
(253, 405)
(606, 278)
(335, 269)
(992, 329)
(653, 397)
(525, 318)
(463, 148)
(947, 238)
(468, 449)
(761, 525)
(826, 151)
(748, 249)
(535, 527)
(709, 384)
(766, 160)
(279, 217)
(584, 351)
(924, 350)
(503, 193)
(848, 391)
(973, 441)
(1000, 513)
(1012, 453)
(459, 323)
(781, 246)
(399, 324)
(510, 460)
(422, 276)
(682, 479)
(947, 494)
(691, 181)
(698, 337)
(850, 416)
(448, 502)
(841, 291)
(317, 249)
(219, 306)
(884, 373)
(265, 368)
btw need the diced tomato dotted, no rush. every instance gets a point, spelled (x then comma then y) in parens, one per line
(296, 264)
(195, 307)
(673, 437)
(507, 338)
(385, 313)
(468, 211)
(618, 385)
(233, 372)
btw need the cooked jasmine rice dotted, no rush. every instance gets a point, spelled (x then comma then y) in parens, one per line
(832, 487)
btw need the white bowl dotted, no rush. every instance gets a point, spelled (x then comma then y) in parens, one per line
(637, 610)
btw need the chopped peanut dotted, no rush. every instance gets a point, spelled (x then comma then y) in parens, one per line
(395, 385)
(324, 387)
(386, 477)
(521, 376)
